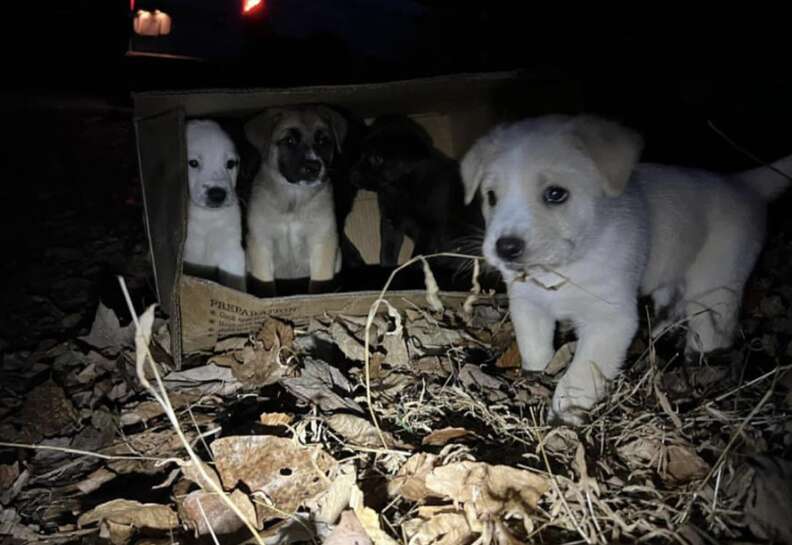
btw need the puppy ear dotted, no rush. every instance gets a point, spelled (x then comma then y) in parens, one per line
(338, 124)
(615, 149)
(259, 129)
(474, 163)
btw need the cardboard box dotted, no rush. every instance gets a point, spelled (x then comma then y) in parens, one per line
(456, 110)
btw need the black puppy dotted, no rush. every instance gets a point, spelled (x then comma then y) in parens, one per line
(419, 191)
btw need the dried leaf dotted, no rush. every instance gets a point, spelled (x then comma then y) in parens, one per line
(9, 494)
(768, 509)
(193, 474)
(48, 412)
(472, 375)
(443, 436)
(685, 465)
(369, 519)
(396, 352)
(449, 528)
(8, 474)
(491, 491)
(276, 419)
(148, 410)
(425, 337)
(410, 481)
(95, 480)
(106, 332)
(318, 383)
(223, 360)
(361, 432)
(206, 380)
(145, 411)
(218, 513)
(152, 516)
(433, 365)
(510, 359)
(275, 334)
(150, 443)
(117, 533)
(561, 359)
(297, 529)
(348, 532)
(327, 507)
(262, 362)
(676, 463)
(230, 344)
(282, 471)
(351, 346)
(693, 381)
(10, 525)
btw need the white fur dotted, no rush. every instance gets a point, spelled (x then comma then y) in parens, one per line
(214, 233)
(688, 238)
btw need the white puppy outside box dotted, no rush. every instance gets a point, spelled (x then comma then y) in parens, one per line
(578, 229)
(213, 248)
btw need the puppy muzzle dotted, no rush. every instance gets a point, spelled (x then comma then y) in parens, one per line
(218, 197)
(509, 248)
(310, 173)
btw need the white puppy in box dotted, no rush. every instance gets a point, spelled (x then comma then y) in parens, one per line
(213, 248)
(578, 229)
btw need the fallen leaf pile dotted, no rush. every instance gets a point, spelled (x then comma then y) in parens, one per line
(448, 445)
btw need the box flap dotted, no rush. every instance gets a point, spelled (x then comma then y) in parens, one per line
(436, 94)
(162, 156)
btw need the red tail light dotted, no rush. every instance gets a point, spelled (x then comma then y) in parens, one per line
(251, 6)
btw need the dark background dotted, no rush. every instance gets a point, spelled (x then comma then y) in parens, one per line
(665, 71)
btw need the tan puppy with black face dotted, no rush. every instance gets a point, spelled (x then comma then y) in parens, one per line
(578, 230)
(292, 227)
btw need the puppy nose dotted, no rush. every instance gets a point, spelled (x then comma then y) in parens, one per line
(216, 195)
(509, 248)
(311, 168)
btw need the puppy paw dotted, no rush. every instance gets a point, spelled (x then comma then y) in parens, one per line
(572, 401)
(538, 360)
(320, 286)
(573, 416)
(260, 288)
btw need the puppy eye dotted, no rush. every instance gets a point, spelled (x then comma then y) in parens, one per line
(289, 140)
(555, 195)
(491, 198)
(193, 163)
(232, 164)
(322, 139)
(375, 160)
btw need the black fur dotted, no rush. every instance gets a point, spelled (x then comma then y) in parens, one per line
(344, 192)
(295, 151)
(419, 190)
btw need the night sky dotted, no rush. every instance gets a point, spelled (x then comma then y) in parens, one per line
(666, 72)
